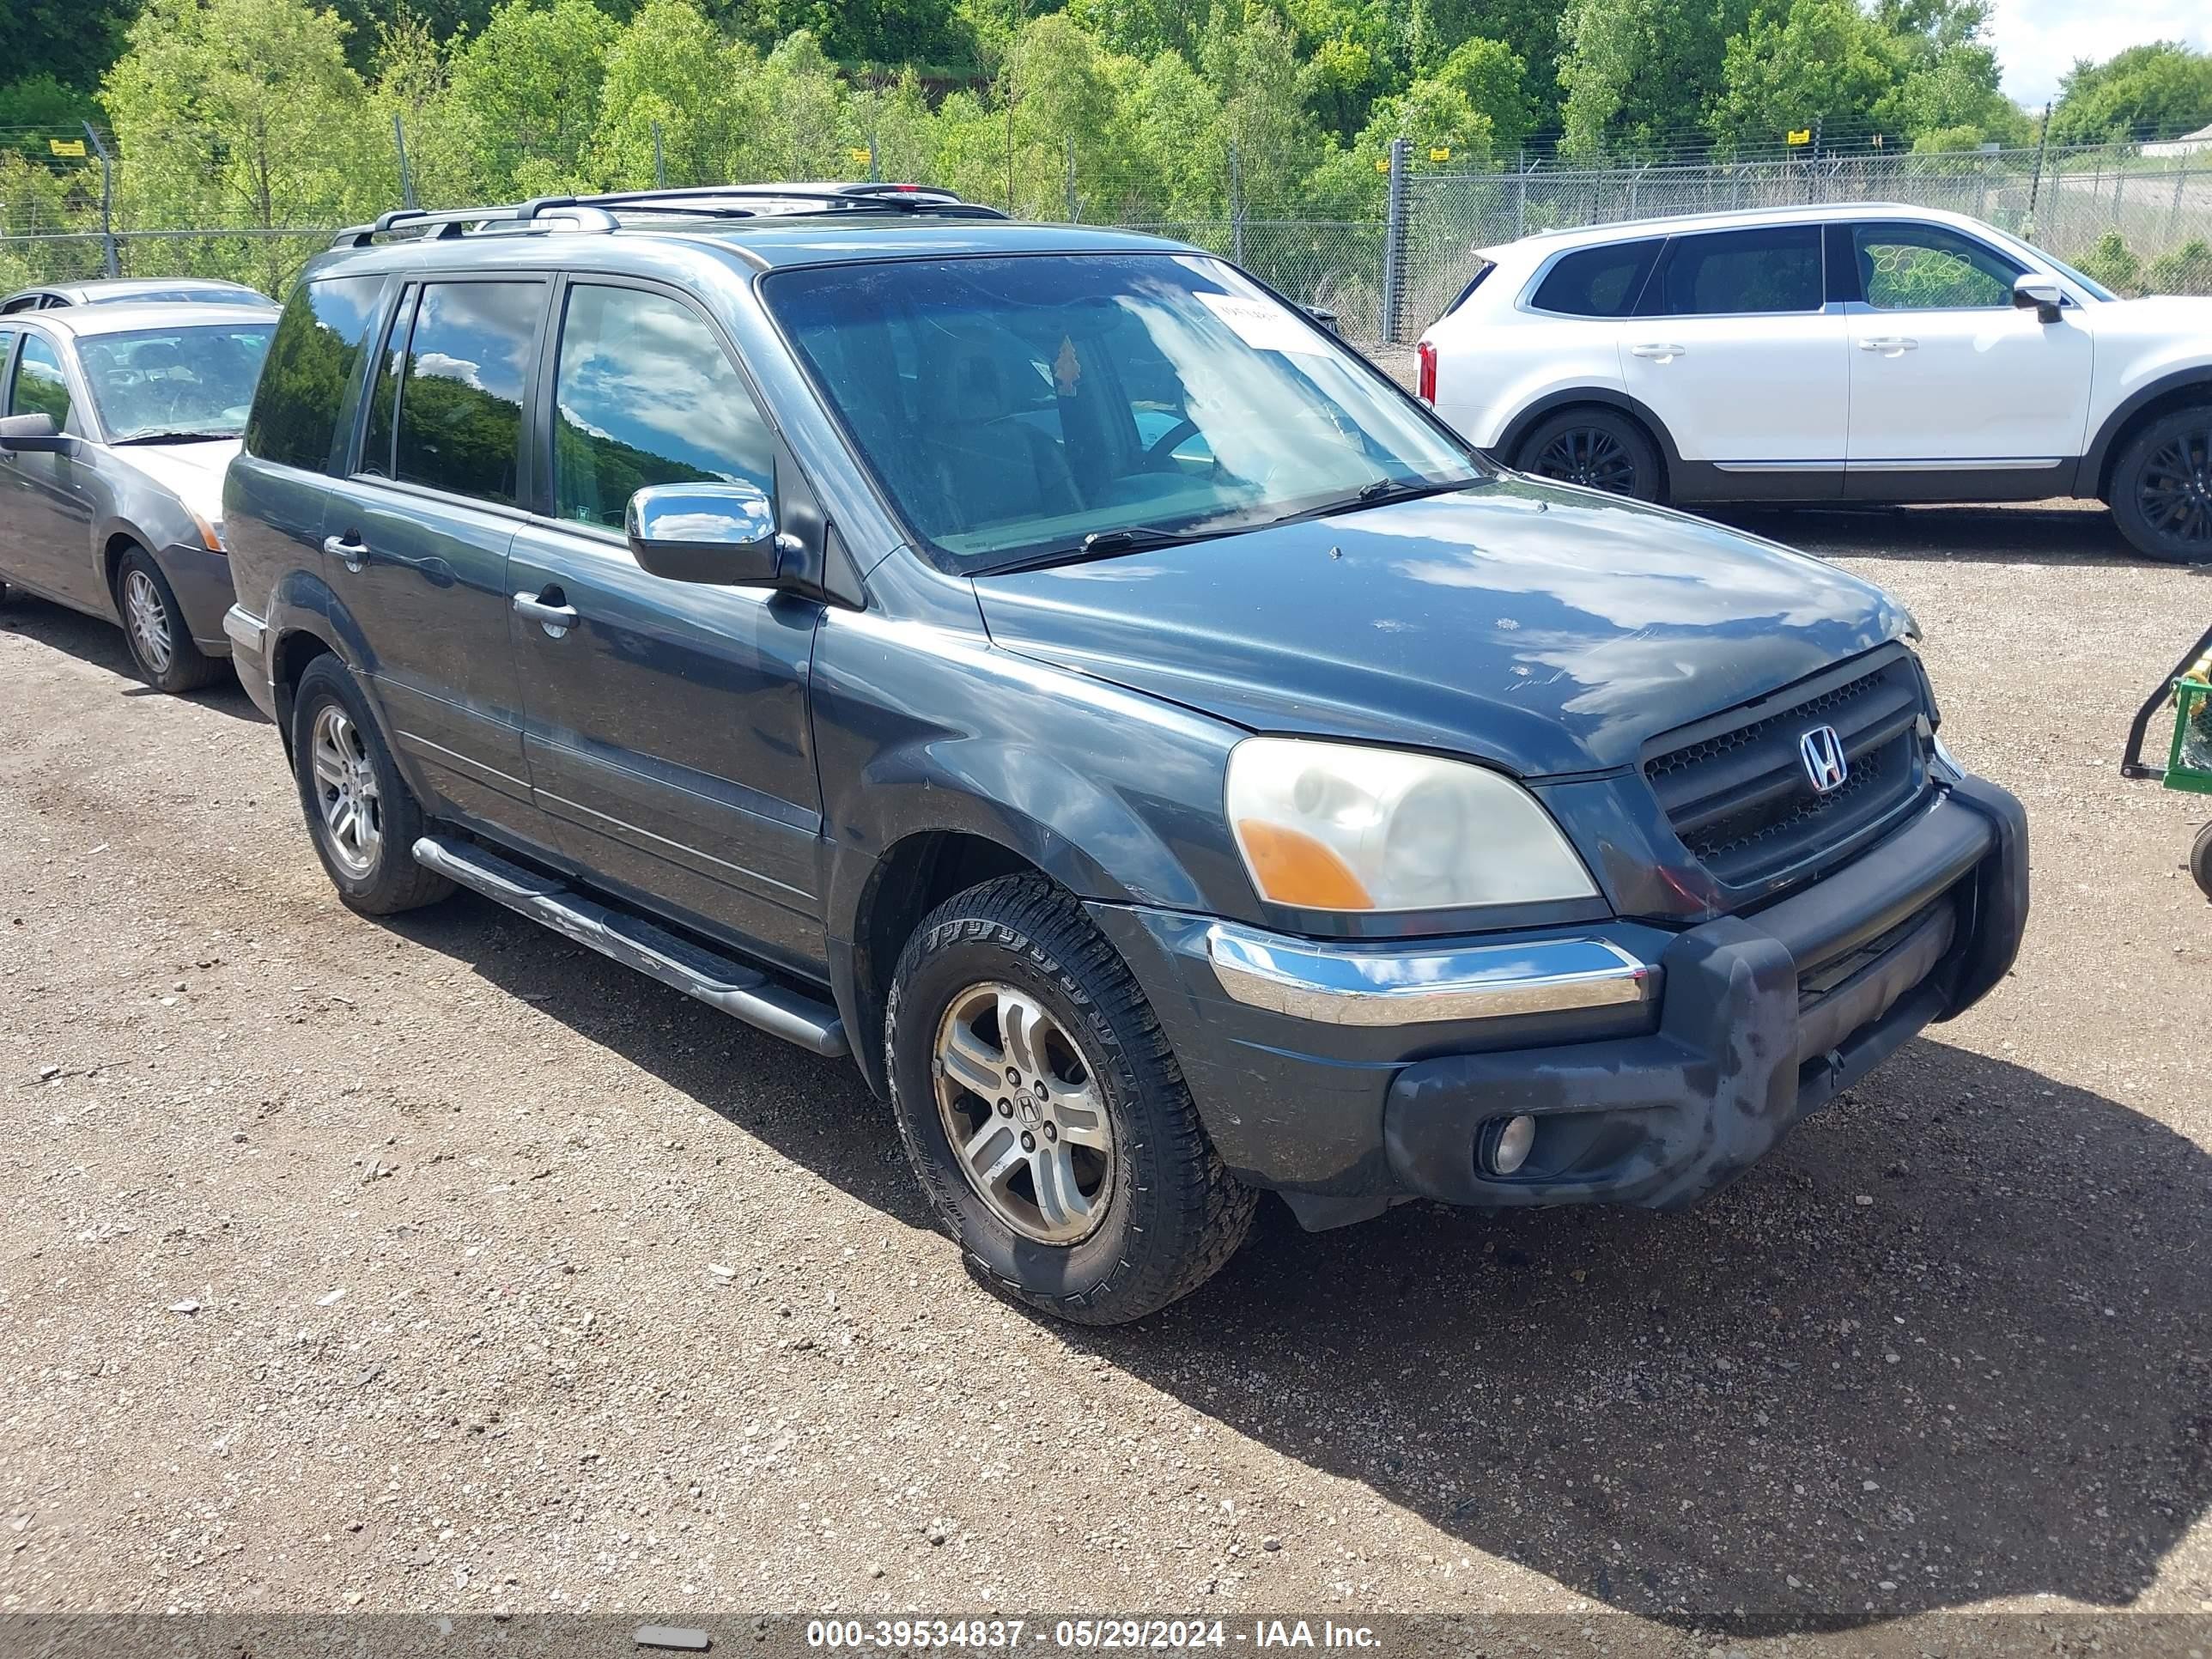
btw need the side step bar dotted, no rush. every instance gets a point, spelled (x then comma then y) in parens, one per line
(719, 980)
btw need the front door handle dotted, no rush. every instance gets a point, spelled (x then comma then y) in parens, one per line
(1660, 352)
(550, 609)
(1890, 344)
(354, 554)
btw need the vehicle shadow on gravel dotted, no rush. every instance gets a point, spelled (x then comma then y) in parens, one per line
(89, 639)
(1974, 535)
(1950, 1342)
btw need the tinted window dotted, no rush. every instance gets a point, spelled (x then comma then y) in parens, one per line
(42, 387)
(180, 380)
(310, 365)
(1928, 268)
(459, 427)
(384, 390)
(646, 395)
(1597, 282)
(1732, 271)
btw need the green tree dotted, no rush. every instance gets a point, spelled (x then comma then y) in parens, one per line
(70, 42)
(1822, 63)
(1494, 80)
(243, 113)
(1254, 71)
(527, 92)
(672, 68)
(2113, 262)
(1637, 73)
(2161, 88)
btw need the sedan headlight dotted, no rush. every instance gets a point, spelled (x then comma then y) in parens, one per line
(1333, 826)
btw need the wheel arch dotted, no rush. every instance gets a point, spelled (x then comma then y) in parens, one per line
(1606, 398)
(2094, 479)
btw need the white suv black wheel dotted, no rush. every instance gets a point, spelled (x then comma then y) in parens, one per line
(2162, 487)
(1593, 447)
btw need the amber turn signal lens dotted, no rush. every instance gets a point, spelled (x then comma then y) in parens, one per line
(1293, 868)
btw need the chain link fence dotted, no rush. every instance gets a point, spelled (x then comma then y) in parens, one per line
(1387, 261)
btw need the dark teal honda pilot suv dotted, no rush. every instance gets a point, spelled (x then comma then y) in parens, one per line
(1045, 664)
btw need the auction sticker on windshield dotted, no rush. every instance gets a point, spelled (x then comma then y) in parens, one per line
(1263, 324)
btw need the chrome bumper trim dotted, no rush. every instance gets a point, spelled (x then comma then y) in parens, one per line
(245, 632)
(1338, 985)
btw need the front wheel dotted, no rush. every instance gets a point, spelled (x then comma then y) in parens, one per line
(1593, 447)
(2200, 860)
(154, 628)
(2162, 488)
(1044, 1113)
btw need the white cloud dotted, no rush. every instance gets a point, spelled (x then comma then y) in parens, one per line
(2039, 40)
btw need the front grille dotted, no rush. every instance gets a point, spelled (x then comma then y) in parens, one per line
(1736, 790)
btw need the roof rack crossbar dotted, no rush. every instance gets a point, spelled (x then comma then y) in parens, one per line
(591, 212)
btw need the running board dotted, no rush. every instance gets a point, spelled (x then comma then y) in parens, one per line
(719, 980)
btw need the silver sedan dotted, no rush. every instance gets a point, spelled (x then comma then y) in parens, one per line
(116, 425)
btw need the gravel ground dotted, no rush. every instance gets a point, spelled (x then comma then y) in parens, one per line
(442, 1265)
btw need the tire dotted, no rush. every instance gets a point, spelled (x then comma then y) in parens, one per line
(154, 630)
(1142, 1210)
(373, 866)
(2200, 860)
(1596, 447)
(2161, 492)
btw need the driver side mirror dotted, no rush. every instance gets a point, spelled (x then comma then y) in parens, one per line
(723, 534)
(2034, 288)
(33, 434)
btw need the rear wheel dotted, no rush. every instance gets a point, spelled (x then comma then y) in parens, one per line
(154, 627)
(363, 818)
(2162, 488)
(1594, 448)
(2200, 860)
(1044, 1113)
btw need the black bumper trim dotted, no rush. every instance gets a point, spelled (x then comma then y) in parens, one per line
(1661, 1121)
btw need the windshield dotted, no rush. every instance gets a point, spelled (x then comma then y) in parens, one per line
(1013, 407)
(193, 382)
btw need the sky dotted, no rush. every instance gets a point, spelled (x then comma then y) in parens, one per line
(2038, 40)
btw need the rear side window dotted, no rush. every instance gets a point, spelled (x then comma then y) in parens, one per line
(42, 387)
(646, 395)
(1597, 282)
(469, 362)
(1733, 272)
(311, 363)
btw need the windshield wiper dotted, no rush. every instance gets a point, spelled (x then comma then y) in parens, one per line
(183, 434)
(1406, 489)
(1105, 545)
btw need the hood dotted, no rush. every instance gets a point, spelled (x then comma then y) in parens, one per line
(192, 472)
(1546, 630)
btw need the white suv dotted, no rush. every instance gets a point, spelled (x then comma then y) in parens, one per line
(1857, 352)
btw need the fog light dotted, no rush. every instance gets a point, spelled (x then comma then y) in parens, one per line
(1510, 1150)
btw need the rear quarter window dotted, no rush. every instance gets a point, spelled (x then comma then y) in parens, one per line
(318, 343)
(1597, 282)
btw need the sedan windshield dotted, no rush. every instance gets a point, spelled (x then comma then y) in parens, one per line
(1074, 405)
(191, 382)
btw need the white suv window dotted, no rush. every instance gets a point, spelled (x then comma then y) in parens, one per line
(1725, 273)
(1931, 268)
(1597, 282)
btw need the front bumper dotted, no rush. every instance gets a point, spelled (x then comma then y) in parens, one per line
(1653, 1089)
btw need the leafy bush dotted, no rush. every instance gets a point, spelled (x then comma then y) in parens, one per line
(2112, 264)
(2184, 269)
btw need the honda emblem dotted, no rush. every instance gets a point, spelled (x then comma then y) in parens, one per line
(1822, 751)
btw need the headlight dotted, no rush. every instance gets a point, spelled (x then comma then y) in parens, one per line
(1332, 826)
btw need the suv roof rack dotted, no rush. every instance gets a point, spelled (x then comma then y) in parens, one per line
(593, 213)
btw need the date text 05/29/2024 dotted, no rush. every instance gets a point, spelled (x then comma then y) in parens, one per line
(1118, 1634)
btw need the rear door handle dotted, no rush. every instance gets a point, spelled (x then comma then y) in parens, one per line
(550, 609)
(1891, 343)
(353, 553)
(1661, 352)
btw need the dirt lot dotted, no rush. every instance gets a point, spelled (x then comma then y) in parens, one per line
(444, 1265)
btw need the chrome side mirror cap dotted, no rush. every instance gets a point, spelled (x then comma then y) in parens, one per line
(723, 534)
(2034, 288)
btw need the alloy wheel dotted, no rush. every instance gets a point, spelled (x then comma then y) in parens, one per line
(345, 789)
(148, 619)
(2175, 492)
(1589, 456)
(1023, 1115)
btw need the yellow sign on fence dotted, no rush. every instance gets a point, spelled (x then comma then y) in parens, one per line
(1440, 152)
(1382, 166)
(860, 157)
(1801, 136)
(67, 147)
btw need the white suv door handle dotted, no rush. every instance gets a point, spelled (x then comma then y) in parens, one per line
(1661, 352)
(1891, 344)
